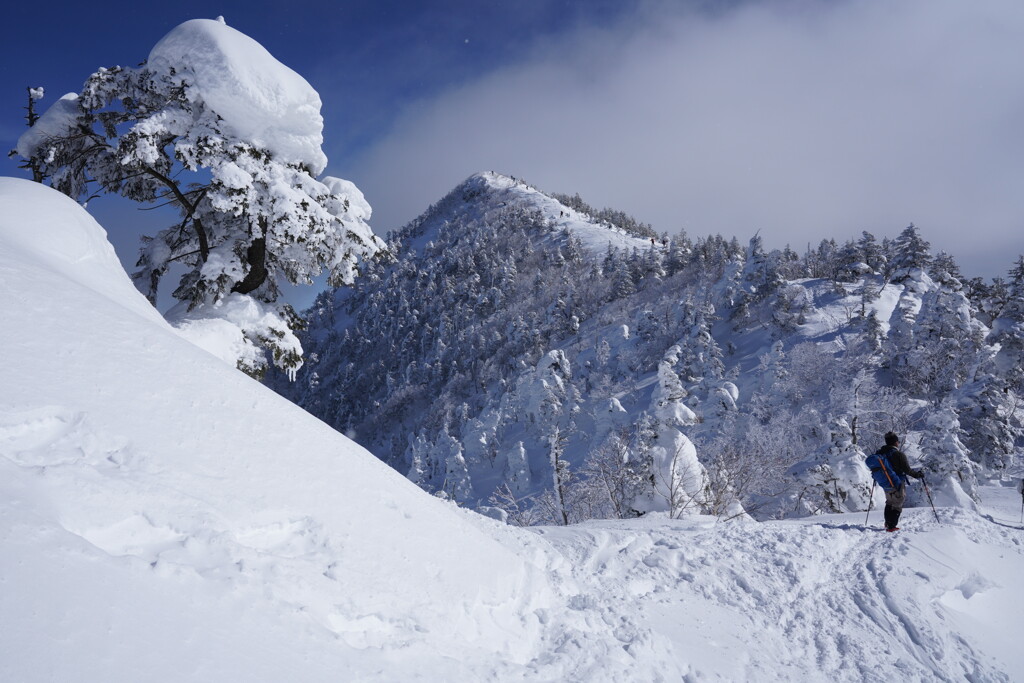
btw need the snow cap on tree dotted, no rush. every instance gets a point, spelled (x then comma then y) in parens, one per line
(57, 120)
(258, 98)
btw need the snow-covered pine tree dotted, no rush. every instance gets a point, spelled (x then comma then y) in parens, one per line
(947, 337)
(950, 471)
(761, 275)
(457, 483)
(989, 408)
(213, 125)
(517, 470)
(989, 414)
(1008, 330)
(677, 478)
(561, 476)
(839, 480)
(909, 254)
(871, 252)
(701, 361)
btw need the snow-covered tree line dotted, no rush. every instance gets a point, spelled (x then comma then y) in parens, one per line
(212, 125)
(500, 359)
(619, 219)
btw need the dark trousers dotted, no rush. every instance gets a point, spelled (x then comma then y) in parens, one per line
(894, 501)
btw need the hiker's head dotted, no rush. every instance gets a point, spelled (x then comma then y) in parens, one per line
(891, 439)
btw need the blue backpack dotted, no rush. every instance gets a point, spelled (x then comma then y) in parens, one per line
(882, 471)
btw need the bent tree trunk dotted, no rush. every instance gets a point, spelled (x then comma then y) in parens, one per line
(256, 255)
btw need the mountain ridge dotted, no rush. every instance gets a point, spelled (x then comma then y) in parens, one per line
(486, 193)
(497, 333)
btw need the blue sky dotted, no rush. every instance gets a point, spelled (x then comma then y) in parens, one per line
(801, 119)
(367, 58)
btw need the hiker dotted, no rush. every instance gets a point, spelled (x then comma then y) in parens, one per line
(890, 469)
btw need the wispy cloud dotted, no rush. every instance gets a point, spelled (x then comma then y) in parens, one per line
(800, 119)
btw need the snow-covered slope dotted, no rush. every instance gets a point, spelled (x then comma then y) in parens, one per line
(167, 518)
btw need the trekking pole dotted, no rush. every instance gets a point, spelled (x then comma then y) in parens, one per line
(1022, 502)
(871, 501)
(929, 494)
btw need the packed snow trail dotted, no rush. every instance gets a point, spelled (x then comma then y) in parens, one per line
(817, 600)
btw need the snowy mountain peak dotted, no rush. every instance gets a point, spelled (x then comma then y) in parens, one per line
(484, 196)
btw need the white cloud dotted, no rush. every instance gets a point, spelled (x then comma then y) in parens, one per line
(802, 120)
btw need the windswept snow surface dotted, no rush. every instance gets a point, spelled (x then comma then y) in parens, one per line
(165, 518)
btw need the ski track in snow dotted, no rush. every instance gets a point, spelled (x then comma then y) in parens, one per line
(801, 600)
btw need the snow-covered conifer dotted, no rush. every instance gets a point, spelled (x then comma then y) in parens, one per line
(457, 484)
(945, 271)
(669, 395)
(517, 469)
(837, 480)
(945, 459)
(989, 414)
(761, 275)
(678, 253)
(908, 253)
(871, 338)
(677, 478)
(212, 124)
(701, 361)
(622, 283)
(1008, 330)
(871, 252)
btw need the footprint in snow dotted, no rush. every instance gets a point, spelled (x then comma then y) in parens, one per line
(49, 436)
